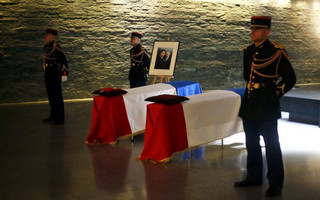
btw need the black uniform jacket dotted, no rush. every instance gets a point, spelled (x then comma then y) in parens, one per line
(55, 61)
(269, 75)
(139, 63)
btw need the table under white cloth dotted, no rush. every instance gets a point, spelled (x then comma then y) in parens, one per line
(211, 116)
(202, 119)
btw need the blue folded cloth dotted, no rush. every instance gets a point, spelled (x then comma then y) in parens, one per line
(186, 88)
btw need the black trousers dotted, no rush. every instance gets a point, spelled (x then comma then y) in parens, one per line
(269, 131)
(137, 83)
(54, 92)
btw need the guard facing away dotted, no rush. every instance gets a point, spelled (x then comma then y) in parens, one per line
(139, 62)
(269, 75)
(55, 70)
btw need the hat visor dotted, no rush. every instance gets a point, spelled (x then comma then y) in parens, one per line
(260, 26)
(135, 36)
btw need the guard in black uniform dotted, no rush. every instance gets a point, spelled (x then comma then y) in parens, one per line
(269, 75)
(139, 62)
(55, 70)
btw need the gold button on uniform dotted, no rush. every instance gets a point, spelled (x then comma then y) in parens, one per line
(256, 86)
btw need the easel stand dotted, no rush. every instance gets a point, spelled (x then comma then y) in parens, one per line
(166, 79)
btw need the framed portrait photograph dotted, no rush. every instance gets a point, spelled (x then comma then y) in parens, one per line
(164, 58)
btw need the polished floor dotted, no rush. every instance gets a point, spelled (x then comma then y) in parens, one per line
(40, 161)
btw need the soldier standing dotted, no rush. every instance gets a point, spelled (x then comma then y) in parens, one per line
(139, 62)
(269, 75)
(55, 71)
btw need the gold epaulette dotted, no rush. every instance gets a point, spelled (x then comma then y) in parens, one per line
(142, 48)
(277, 46)
(281, 47)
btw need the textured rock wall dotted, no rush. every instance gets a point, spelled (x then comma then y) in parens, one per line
(95, 37)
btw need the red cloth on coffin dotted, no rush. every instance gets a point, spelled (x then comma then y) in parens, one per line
(165, 132)
(109, 120)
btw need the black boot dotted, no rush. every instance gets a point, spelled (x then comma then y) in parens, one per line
(248, 182)
(273, 190)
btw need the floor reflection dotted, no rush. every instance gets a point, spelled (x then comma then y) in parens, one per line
(58, 172)
(162, 178)
(110, 166)
(194, 154)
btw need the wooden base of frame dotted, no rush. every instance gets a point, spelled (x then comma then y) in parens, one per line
(166, 78)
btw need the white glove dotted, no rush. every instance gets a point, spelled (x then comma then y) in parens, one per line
(64, 78)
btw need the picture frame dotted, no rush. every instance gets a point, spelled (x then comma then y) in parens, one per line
(164, 58)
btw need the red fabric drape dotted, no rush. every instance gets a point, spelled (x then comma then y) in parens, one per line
(109, 120)
(165, 132)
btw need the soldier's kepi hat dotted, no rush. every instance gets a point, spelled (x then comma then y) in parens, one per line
(136, 34)
(52, 31)
(261, 21)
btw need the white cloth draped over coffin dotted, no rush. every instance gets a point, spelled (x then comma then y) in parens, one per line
(211, 116)
(136, 105)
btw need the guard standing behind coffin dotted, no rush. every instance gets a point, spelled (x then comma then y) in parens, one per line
(139, 62)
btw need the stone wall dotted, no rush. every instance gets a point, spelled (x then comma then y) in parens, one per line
(95, 37)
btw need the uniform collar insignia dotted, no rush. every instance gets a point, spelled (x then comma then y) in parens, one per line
(263, 44)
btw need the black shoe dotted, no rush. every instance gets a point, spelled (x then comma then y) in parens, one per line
(273, 190)
(247, 182)
(50, 119)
